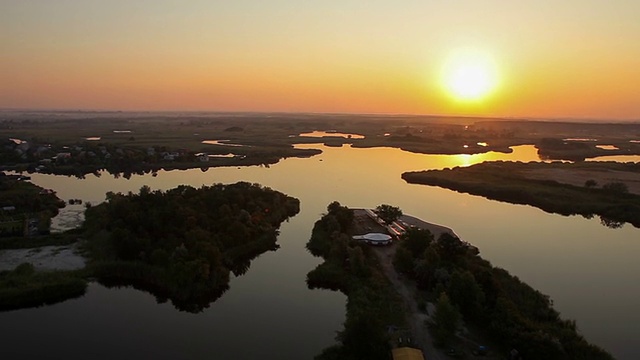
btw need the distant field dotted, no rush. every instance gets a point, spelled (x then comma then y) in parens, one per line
(578, 174)
(275, 133)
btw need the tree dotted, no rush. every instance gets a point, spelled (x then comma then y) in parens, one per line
(450, 246)
(590, 183)
(364, 338)
(403, 261)
(445, 321)
(616, 187)
(145, 190)
(417, 240)
(612, 224)
(466, 294)
(388, 213)
(357, 263)
(343, 214)
(426, 267)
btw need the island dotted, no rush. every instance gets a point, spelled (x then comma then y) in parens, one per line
(608, 189)
(431, 291)
(180, 244)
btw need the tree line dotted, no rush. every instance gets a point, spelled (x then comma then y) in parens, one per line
(468, 287)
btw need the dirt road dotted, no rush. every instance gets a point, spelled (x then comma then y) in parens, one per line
(416, 319)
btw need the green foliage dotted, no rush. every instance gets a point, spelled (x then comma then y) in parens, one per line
(357, 262)
(388, 213)
(403, 261)
(426, 266)
(183, 243)
(364, 337)
(446, 321)
(466, 294)
(337, 221)
(24, 287)
(450, 247)
(590, 183)
(513, 313)
(342, 214)
(616, 187)
(416, 240)
(24, 269)
(29, 202)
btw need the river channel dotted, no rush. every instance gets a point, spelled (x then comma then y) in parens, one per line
(590, 271)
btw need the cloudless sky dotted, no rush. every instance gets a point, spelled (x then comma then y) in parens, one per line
(578, 59)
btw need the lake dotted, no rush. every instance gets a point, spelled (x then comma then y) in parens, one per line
(589, 270)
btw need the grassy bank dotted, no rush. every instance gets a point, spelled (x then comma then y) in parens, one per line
(24, 287)
(512, 182)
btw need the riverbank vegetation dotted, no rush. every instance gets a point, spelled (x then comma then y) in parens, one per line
(513, 314)
(25, 287)
(563, 188)
(25, 208)
(180, 245)
(183, 243)
(352, 268)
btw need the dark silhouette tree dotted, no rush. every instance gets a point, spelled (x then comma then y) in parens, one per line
(466, 294)
(590, 183)
(446, 320)
(388, 213)
(416, 240)
(616, 187)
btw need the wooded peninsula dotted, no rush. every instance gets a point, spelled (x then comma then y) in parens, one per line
(466, 290)
(608, 189)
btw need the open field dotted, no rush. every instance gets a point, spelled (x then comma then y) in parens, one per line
(601, 173)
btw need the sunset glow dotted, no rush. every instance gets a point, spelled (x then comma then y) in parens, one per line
(470, 76)
(545, 60)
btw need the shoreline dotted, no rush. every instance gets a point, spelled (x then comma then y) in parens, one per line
(43, 258)
(548, 187)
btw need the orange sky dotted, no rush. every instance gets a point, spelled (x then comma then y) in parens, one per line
(577, 59)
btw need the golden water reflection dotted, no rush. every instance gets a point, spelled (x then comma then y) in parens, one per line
(320, 134)
(618, 158)
(391, 159)
(570, 258)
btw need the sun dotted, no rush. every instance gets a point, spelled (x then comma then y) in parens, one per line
(470, 75)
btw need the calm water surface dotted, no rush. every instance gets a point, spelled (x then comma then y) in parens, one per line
(590, 271)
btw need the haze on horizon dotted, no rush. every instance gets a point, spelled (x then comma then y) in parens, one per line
(573, 59)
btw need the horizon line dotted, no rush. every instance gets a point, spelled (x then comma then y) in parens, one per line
(328, 113)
